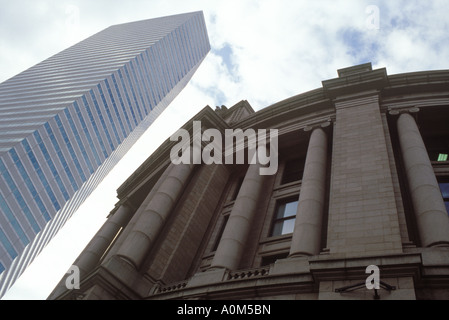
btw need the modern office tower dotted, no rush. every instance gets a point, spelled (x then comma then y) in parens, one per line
(362, 181)
(65, 122)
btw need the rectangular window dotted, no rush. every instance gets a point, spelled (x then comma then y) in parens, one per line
(284, 220)
(442, 157)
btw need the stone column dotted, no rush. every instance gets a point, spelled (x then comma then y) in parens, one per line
(91, 256)
(306, 237)
(235, 235)
(130, 226)
(152, 219)
(431, 215)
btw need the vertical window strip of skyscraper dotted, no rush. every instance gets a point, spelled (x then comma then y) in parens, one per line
(78, 140)
(154, 84)
(116, 110)
(196, 34)
(185, 46)
(180, 65)
(70, 148)
(32, 190)
(198, 44)
(203, 33)
(157, 72)
(149, 86)
(159, 52)
(168, 62)
(19, 198)
(192, 41)
(192, 47)
(108, 112)
(171, 62)
(102, 122)
(139, 85)
(131, 86)
(87, 134)
(6, 208)
(194, 38)
(5, 241)
(37, 167)
(94, 126)
(202, 42)
(127, 97)
(122, 104)
(61, 157)
(181, 51)
(143, 81)
(172, 59)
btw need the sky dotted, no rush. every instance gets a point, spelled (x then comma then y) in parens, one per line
(263, 51)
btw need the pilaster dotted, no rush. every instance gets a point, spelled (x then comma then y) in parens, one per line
(363, 216)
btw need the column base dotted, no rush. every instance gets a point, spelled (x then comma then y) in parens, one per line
(299, 255)
(440, 244)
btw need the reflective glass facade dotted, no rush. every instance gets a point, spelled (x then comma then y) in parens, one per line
(65, 122)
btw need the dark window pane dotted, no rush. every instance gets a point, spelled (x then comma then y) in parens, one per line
(293, 170)
(277, 228)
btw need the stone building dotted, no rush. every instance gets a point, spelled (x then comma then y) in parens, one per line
(363, 181)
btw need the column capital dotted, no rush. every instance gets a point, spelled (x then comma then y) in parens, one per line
(319, 125)
(395, 112)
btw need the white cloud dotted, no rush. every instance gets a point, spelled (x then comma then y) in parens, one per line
(280, 48)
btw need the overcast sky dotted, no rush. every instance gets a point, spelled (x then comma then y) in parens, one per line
(262, 51)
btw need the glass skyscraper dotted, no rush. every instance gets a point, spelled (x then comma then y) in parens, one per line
(65, 122)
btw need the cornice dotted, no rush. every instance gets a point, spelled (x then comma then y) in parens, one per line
(301, 111)
(356, 82)
(309, 103)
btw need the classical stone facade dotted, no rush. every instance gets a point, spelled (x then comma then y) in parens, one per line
(363, 180)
